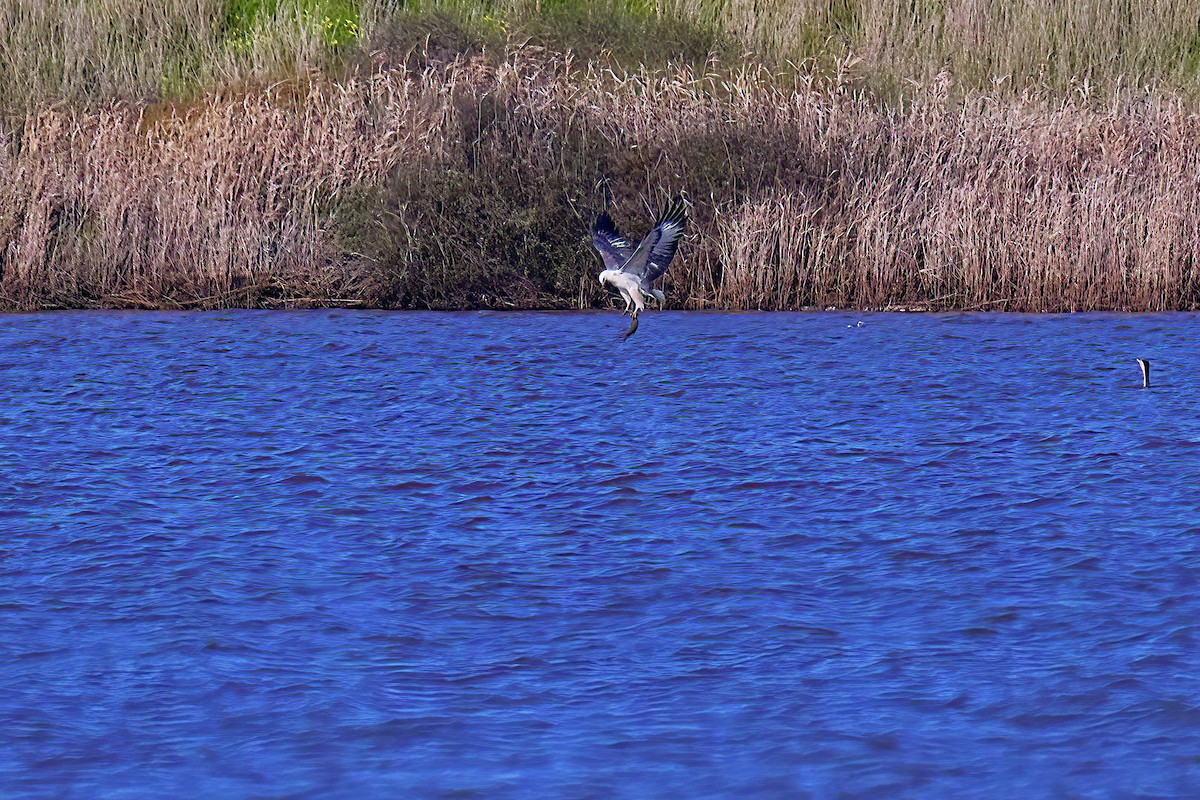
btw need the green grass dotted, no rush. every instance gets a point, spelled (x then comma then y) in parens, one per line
(336, 21)
(91, 53)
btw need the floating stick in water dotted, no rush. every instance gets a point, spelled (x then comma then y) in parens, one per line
(1145, 365)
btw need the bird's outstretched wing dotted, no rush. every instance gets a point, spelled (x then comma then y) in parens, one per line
(654, 254)
(614, 249)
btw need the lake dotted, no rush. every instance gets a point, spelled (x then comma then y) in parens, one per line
(348, 554)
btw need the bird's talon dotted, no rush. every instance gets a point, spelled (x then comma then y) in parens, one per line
(632, 271)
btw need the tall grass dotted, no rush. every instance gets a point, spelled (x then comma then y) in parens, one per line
(91, 52)
(1014, 43)
(433, 182)
(445, 153)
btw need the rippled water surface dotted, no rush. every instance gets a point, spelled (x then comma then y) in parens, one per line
(359, 555)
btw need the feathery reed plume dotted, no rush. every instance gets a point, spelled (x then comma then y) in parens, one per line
(468, 182)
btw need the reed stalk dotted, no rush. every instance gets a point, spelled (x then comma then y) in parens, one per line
(470, 183)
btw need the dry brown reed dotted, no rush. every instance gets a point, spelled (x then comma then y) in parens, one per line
(223, 202)
(470, 183)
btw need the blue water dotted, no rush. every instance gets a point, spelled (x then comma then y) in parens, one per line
(379, 555)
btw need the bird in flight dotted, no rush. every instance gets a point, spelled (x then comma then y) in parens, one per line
(632, 272)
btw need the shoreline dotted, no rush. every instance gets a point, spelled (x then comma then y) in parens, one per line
(363, 154)
(910, 310)
(473, 185)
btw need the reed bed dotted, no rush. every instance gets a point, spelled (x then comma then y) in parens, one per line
(471, 182)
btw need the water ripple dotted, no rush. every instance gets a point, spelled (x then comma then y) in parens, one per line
(355, 555)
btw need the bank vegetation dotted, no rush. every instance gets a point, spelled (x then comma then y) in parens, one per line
(957, 155)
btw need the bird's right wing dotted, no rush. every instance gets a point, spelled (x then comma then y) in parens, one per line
(654, 254)
(614, 249)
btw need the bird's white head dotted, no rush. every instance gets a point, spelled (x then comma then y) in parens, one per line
(606, 276)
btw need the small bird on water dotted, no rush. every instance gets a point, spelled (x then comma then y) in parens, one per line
(1145, 365)
(632, 272)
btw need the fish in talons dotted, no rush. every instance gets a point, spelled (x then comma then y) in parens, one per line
(632, 271)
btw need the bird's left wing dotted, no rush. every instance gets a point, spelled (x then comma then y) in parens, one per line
(614, 249)
(654, 254)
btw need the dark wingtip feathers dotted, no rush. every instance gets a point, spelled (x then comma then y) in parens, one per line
(603, 223)
(676, 211)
